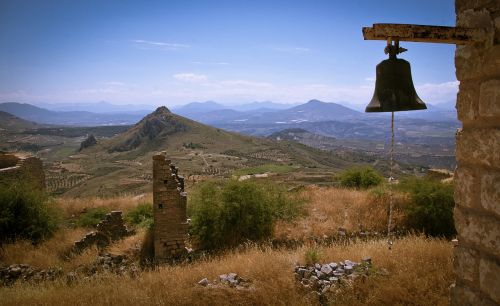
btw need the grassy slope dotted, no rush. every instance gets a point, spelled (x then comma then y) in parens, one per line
(420, 272)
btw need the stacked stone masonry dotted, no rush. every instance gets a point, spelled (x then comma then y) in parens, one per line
(110, 229)
(477, 185)
(16, 168)
(169, 201)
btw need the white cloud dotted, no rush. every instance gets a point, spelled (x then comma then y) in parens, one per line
(148, 44)
(190, 77)
(438, 93)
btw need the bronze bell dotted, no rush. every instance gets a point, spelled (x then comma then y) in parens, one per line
(394, 90)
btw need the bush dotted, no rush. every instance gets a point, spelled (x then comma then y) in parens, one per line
(227, 214)
(312, 256)
(431, 206)
(92, 216)
(360, 178)
(142, 215)
(26, 213)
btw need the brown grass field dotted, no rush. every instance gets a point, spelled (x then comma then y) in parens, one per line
(419, 269)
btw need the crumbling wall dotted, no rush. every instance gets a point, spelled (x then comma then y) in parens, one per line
(477, 177)
(110, 229)
(169, 201)
(16, 167)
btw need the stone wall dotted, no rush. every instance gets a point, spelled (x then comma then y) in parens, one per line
(110, 229)
(477, 177)
(16, 167)
(169, 201)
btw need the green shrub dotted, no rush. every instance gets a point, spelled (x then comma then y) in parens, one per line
(227, 214)
(360, 178)
(26, 213)
(312, 256)
(431, 206)
(142, 215)
(92, 216)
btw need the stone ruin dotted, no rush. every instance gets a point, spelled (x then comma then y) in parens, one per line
(16, 167)
(110, 229)
(169, 207)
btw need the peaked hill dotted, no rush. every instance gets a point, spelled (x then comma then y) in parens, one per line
(123, 163)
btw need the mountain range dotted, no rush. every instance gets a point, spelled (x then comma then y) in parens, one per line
(209, 112)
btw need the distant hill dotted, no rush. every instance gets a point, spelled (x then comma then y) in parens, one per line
(73, 118)
(312, 111)
(316, 110)
(11, 123)
(198, 107)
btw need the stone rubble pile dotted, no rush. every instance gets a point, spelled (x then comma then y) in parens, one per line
(324, 278)
(27, 273)
(110, 229)
(105, 263)
(231, 280)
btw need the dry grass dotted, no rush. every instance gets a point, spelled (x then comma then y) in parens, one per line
(75, 206)
(51, 253)
(330, 208)
(420, 273)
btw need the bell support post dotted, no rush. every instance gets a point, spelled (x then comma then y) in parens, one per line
(424, 33)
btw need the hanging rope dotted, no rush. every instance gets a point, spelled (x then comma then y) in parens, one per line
(391, 153)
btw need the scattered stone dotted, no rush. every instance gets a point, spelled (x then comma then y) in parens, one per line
(232, 280)
(348, 269)
(326, 269)
(321, 280)
(204, 282)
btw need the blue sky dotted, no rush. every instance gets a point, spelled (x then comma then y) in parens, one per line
(175, 52)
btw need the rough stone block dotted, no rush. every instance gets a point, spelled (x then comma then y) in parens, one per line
(466, 188)
(491, 62)
(490, 192)
(464, 296)
(490, 5)
(466, 263)
(489, 279)
(479, 146)
(474, 18)
(467, 101)
(489, 99)
(468, 62)
(478, 229)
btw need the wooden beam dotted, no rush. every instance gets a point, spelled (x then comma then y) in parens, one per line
(424, 33)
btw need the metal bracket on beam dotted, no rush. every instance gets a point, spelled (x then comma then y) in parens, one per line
(424, 33)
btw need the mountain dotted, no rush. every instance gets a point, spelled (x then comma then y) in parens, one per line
(73, 118)
(316, 110)
(259, 106)
(11, 123)
(312, 111)
(198, 107)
